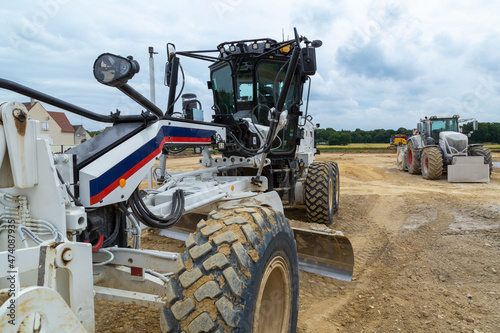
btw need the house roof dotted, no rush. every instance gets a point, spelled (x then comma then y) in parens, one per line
(28, 105)
(61, 120)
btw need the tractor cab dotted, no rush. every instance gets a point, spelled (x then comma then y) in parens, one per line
(433, 126)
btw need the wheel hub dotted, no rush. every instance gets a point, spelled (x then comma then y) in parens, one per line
(272, 307)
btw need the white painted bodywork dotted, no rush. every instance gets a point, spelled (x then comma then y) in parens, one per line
(50, 267)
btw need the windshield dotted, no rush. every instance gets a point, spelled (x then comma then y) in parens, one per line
(270, 77)
(440, 125)
(445, 125)
(258, 85)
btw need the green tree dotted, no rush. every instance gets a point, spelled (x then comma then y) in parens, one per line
(94, 133)
(356, 137)
(344, 139)
(334, 139)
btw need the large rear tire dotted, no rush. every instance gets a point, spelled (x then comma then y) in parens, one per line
(238, 274)
(322, 192)
(432, 163)
(482, 151)
(412, 162)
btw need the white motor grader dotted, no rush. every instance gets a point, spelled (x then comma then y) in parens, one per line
(70, 224)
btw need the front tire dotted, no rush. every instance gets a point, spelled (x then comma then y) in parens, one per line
(238, 274)
(482, 151)
(322, 192)
(432, 163)
(412, 162)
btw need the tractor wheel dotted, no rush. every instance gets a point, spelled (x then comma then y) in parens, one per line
(322, 192)
(238, 274)
(432, 163)
(401, 158)
(412, 162)
(482, 151)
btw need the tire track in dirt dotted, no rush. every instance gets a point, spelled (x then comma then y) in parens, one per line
(367, 251)
(396, 247)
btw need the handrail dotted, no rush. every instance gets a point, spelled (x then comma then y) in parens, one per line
(112, 118)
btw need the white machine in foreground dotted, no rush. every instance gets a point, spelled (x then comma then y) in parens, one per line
(70, 224)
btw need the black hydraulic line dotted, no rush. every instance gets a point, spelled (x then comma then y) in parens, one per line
(108, 241)
(141, 211)
(23, 90)
(136, 96)
(142, 214)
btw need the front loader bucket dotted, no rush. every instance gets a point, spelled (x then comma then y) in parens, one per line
(324, 253)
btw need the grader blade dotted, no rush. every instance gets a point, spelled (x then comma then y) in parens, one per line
(324, 253)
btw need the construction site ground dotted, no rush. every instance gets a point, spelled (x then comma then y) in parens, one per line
(427, 255)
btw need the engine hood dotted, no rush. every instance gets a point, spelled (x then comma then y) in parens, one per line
(453, 143)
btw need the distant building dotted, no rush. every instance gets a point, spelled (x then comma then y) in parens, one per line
(56, 127)
(81, 135)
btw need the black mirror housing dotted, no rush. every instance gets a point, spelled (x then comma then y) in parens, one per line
(308, 57)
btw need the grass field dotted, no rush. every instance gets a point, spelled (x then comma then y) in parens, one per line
(493, 147)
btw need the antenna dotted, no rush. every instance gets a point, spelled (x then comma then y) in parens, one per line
(283, 34)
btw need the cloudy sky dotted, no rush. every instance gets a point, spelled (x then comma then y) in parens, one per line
(383, 64)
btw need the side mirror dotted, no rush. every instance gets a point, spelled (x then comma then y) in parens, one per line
(170, 52)
(475, 125)
(308, 55)
(113, 70)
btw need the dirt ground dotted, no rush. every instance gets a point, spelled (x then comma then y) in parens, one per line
(427, 256)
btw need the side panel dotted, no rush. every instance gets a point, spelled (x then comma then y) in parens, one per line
(114, 176)
(307, 149)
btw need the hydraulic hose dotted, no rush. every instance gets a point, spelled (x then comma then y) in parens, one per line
(144, 215)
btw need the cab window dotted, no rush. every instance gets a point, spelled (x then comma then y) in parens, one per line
(222, 83)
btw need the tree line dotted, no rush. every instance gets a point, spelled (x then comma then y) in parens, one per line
(487, 132)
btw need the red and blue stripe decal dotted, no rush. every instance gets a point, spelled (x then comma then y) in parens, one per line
(103, 185)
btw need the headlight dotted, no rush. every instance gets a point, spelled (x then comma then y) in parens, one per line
(113, 70)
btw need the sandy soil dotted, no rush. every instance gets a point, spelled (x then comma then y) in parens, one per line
(427, 256)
